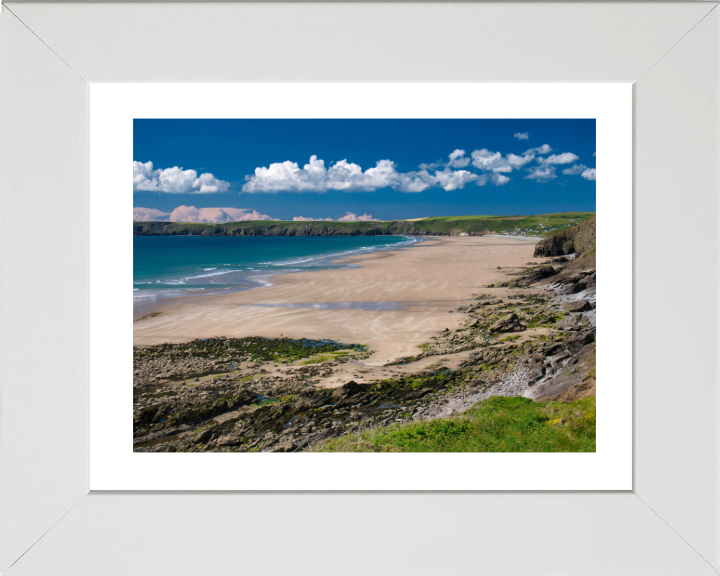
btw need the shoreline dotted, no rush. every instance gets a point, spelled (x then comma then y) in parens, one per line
(391, 300)
(251, 279)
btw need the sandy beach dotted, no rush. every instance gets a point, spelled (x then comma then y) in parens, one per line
(393, 301)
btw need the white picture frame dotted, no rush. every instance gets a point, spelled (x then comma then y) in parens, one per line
(50, 523)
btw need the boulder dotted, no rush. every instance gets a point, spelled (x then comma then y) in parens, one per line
(202, 437)
(537, 372)
(286, 446)
(543, 272)
(577, 306)
(508, 323)
(348, 389)
(229, 441)
(570, 289)
(305, 403)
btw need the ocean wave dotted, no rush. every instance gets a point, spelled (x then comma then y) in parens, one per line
(258, 274)
(219, 273)
(263, 281)
(334, 255)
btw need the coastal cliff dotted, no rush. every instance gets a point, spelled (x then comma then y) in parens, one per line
(444, 226)
(574, 240)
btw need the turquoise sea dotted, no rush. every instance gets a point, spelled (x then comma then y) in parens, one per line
(180, 266)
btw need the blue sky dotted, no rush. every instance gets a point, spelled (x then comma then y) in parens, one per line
(393, 169)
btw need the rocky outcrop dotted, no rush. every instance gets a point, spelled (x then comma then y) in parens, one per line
(576, 240)
(508, 323)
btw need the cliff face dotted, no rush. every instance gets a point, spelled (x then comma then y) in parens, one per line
(577, 240)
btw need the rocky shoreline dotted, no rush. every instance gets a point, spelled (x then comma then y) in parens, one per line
(532, 335)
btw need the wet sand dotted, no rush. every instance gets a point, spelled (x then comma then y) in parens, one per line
(393, 302)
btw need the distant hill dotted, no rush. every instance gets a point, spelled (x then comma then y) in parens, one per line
(538, 225)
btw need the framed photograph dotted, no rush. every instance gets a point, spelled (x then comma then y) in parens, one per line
(359, 284)
(253, 335)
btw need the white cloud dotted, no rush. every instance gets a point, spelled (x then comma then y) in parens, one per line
(485, 167)
(148, 214)
(544, 149)
(584, 171)
(589, 174)
(345, 176)
(458, 159)
(492, 178)
(174, 180)
(499, 179)
(521, 135)
(564, 158)
(542, 174)
(575, 170)
(415, 181)
(486, 160)
(314, 177)
(192, 214)
(520, 161)
(350, 217)
(303, 219)
(450, 180)
(494, 161)
(215, 215)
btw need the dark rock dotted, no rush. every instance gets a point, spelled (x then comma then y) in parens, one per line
(286, 446)
(570, 289)
(588, 338)
(229, 441)
(543, 272)
(202, 437)
(508, 323)
(305, 403)
(348, 389)
(535, 374)
(577, 306)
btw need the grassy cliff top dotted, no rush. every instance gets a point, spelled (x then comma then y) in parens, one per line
(535, 225)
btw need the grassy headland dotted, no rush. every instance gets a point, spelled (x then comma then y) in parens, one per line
(536, 225)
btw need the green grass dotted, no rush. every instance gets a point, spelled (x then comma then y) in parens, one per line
(540, 225)
(255, 348)
(499, 424)
(325, 357)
